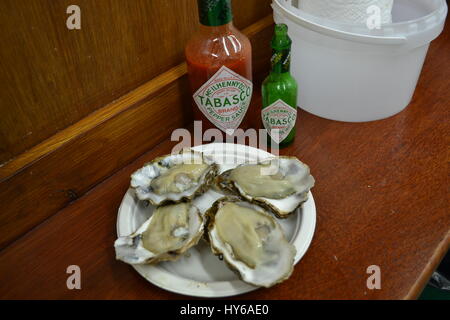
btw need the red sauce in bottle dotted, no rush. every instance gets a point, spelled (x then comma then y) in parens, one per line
(209, 50)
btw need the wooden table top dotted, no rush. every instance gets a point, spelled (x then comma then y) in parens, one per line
(381, 195)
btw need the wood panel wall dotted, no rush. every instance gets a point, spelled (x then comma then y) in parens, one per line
(51, 77)
(93, 115)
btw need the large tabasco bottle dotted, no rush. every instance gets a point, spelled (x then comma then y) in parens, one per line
(219, 63)
(279, 92)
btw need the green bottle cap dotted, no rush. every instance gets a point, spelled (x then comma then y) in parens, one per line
(281, 47)
(215, 12)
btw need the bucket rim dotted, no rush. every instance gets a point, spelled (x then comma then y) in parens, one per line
(412, 32)
(386, 30)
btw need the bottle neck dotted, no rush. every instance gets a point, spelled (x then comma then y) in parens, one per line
(281, 60)
(215, 13)
(218, 30)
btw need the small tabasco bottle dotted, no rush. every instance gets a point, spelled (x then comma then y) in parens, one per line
(279, 92)
(219, 60)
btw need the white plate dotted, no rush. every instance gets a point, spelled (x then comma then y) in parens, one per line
(200, 273)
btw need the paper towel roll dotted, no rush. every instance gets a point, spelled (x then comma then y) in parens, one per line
(353, 11)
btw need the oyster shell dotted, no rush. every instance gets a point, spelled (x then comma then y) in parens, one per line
(165, 236)
(279, 184)
(174, 178)
(251, 242)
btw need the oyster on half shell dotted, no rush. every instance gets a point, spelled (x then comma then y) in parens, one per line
(165, 236)
(174, 178)
(251, 242)
(279, 184)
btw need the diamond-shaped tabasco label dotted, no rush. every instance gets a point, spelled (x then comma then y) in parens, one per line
(279, 116)
(224, 99)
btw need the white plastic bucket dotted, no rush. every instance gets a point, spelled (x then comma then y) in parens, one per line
(348, 72)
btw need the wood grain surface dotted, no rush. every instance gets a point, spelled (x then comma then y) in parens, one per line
(381, 195)
(52, 77)
(58, 171)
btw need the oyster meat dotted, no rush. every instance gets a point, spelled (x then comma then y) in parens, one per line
(251, 242)
(279, 184)
(170, 231)
(174, 178)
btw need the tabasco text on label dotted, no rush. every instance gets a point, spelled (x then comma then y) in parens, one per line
(224, 99)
